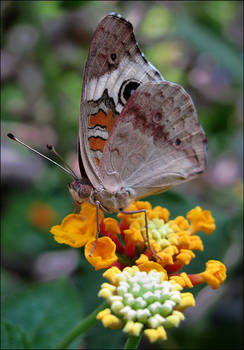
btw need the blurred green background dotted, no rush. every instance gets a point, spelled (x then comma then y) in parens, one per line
(47, 287)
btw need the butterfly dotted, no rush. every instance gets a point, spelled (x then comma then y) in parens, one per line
(138, 133)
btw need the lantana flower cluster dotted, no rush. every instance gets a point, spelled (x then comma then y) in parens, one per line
(142, 299)
(145, 290)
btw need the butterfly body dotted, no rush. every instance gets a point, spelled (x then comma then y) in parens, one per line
(82, 191)
(138, 134)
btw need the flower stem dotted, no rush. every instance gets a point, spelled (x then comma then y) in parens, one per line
(132, 342)
(81, 327)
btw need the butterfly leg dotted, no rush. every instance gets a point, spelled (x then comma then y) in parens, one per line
(76, 207)
(146, 226)
(98, 227)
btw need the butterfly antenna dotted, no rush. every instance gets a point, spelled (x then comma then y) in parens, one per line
(12, 137)
(52, 149)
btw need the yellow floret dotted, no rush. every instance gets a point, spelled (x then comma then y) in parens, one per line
(133, 328)
(187, 300)
(111, 274)
(215, 273)
(201, 220)
(183, 280)
(185, 256)
(156, 334)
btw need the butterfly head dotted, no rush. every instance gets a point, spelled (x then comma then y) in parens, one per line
(80, 190)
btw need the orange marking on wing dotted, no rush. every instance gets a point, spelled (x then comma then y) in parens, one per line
(96, 143)
(105, 120)
(97, 161)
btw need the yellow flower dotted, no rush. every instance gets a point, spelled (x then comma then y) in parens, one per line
(201, 220)
(173, 241)
(141, 298)
(187, 300)
(189, 241)
(77, 229)
(127, 218)
(167, 255)
(182, 280)
(185, 256)
(159, 213)
(136, 222)
(109, 320)
(142, 259)
(133, 328)
(151, 265)
(111, 274)
(181, 222)
(156, 334)
(133, 234)
(146, 297)
(215, 273)
(103, 254)
(111, 225)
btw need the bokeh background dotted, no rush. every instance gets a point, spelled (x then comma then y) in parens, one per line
(47, 287)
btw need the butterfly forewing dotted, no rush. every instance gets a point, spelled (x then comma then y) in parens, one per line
(115, 68)
(156, 143)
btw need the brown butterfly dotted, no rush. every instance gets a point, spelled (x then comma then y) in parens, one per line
(138, 134)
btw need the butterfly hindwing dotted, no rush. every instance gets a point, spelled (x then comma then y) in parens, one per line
(156, 143)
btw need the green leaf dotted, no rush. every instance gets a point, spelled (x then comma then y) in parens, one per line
(12, 337)
(46, 312)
